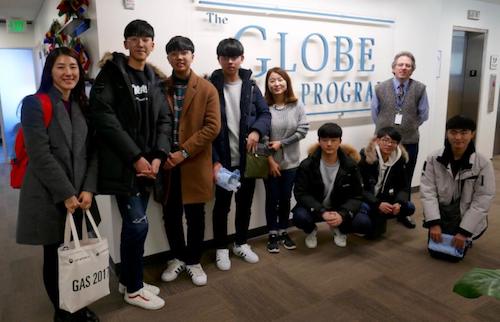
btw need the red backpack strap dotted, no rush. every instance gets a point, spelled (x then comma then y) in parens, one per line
(46, 107)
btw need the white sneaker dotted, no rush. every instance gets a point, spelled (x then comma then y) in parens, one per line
(153, 289)
(174, 268)
(144, 299)
(338, 238)
(197, 274)
(222, 259)
(311, 240)
(245, 251)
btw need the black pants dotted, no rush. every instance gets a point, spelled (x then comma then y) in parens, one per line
(51, 277)
(412, 150)
(379, 220)
(243, 200)
(173, 210)
(278, 194)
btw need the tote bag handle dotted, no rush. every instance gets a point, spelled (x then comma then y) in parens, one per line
(70, 229)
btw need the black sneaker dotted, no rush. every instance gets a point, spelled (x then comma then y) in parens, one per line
(407, 221)
(287, 242)
(272, 244)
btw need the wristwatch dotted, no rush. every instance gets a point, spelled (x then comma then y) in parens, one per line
(185, 154)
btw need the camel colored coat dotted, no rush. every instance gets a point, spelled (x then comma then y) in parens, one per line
(199, 126)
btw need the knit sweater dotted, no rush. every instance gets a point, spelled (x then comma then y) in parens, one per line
(288, 125)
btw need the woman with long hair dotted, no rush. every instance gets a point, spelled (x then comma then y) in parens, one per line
(288, 126)
(61, 173)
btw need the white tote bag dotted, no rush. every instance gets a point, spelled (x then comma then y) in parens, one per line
(83, 266)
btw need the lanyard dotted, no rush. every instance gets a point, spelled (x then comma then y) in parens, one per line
(400, 97)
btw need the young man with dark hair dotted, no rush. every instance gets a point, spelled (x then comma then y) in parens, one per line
(245, 120)
(328, 188)
(457, 186)
(133, 124)
(188, 169)
(385, 183)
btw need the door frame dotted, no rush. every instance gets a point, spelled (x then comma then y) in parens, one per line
(483, 69)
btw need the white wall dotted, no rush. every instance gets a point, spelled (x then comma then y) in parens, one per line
(456, 16)
(16, 40)
(422, 27)
(48, 13)
(16, 81)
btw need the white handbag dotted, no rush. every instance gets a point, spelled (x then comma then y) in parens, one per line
(83, 266)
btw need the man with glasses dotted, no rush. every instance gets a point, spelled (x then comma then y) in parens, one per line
(457, 187)
(401, 102)
(188, 168)
(383, 169)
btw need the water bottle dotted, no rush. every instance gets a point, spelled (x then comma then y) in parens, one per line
(228, 180)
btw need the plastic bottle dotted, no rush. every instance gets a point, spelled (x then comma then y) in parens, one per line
(228, 180)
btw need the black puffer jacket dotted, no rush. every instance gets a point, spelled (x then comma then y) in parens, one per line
(309, 188)
(115, 118)
(395, 185)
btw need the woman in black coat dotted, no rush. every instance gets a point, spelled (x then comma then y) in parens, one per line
(61, 173)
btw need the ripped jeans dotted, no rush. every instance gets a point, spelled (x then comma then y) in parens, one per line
(134, 231)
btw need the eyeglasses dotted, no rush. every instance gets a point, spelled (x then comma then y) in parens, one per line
(459, 132)
(400, 65)
(388, 141)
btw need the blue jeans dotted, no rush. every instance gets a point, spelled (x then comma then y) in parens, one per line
(278, 195)
(134, 231)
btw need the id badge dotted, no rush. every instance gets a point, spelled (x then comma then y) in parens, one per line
(398, 119)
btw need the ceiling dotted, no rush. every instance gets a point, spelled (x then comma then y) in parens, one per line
(24, 9)
(28, 9)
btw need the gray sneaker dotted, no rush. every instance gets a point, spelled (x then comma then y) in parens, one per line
(311, 240)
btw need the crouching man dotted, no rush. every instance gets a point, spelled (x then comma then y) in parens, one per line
(457, 187)
(385, 182)
(328, 188)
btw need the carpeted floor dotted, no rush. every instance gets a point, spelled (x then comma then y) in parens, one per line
(392, 279)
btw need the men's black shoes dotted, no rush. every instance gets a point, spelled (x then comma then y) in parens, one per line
(407, 221)
(286, 241)
(272, 243)
(83, 315)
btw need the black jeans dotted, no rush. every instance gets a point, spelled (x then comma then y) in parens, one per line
(412, 150)
(173, 210)
(51, 276)
(134, 231)
(243, 200)
(278, 195)
(379, 220)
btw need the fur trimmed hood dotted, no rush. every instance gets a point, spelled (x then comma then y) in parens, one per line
(371, 152)
(109, 56)
(348, 149)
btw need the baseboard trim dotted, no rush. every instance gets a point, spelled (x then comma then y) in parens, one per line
(161, 258)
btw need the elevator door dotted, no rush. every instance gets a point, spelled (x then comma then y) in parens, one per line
(465, 73)
(496, 147)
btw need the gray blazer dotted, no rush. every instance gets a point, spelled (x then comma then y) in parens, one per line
(58, 168)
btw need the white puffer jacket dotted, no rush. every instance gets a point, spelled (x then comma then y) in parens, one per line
(438, 186)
